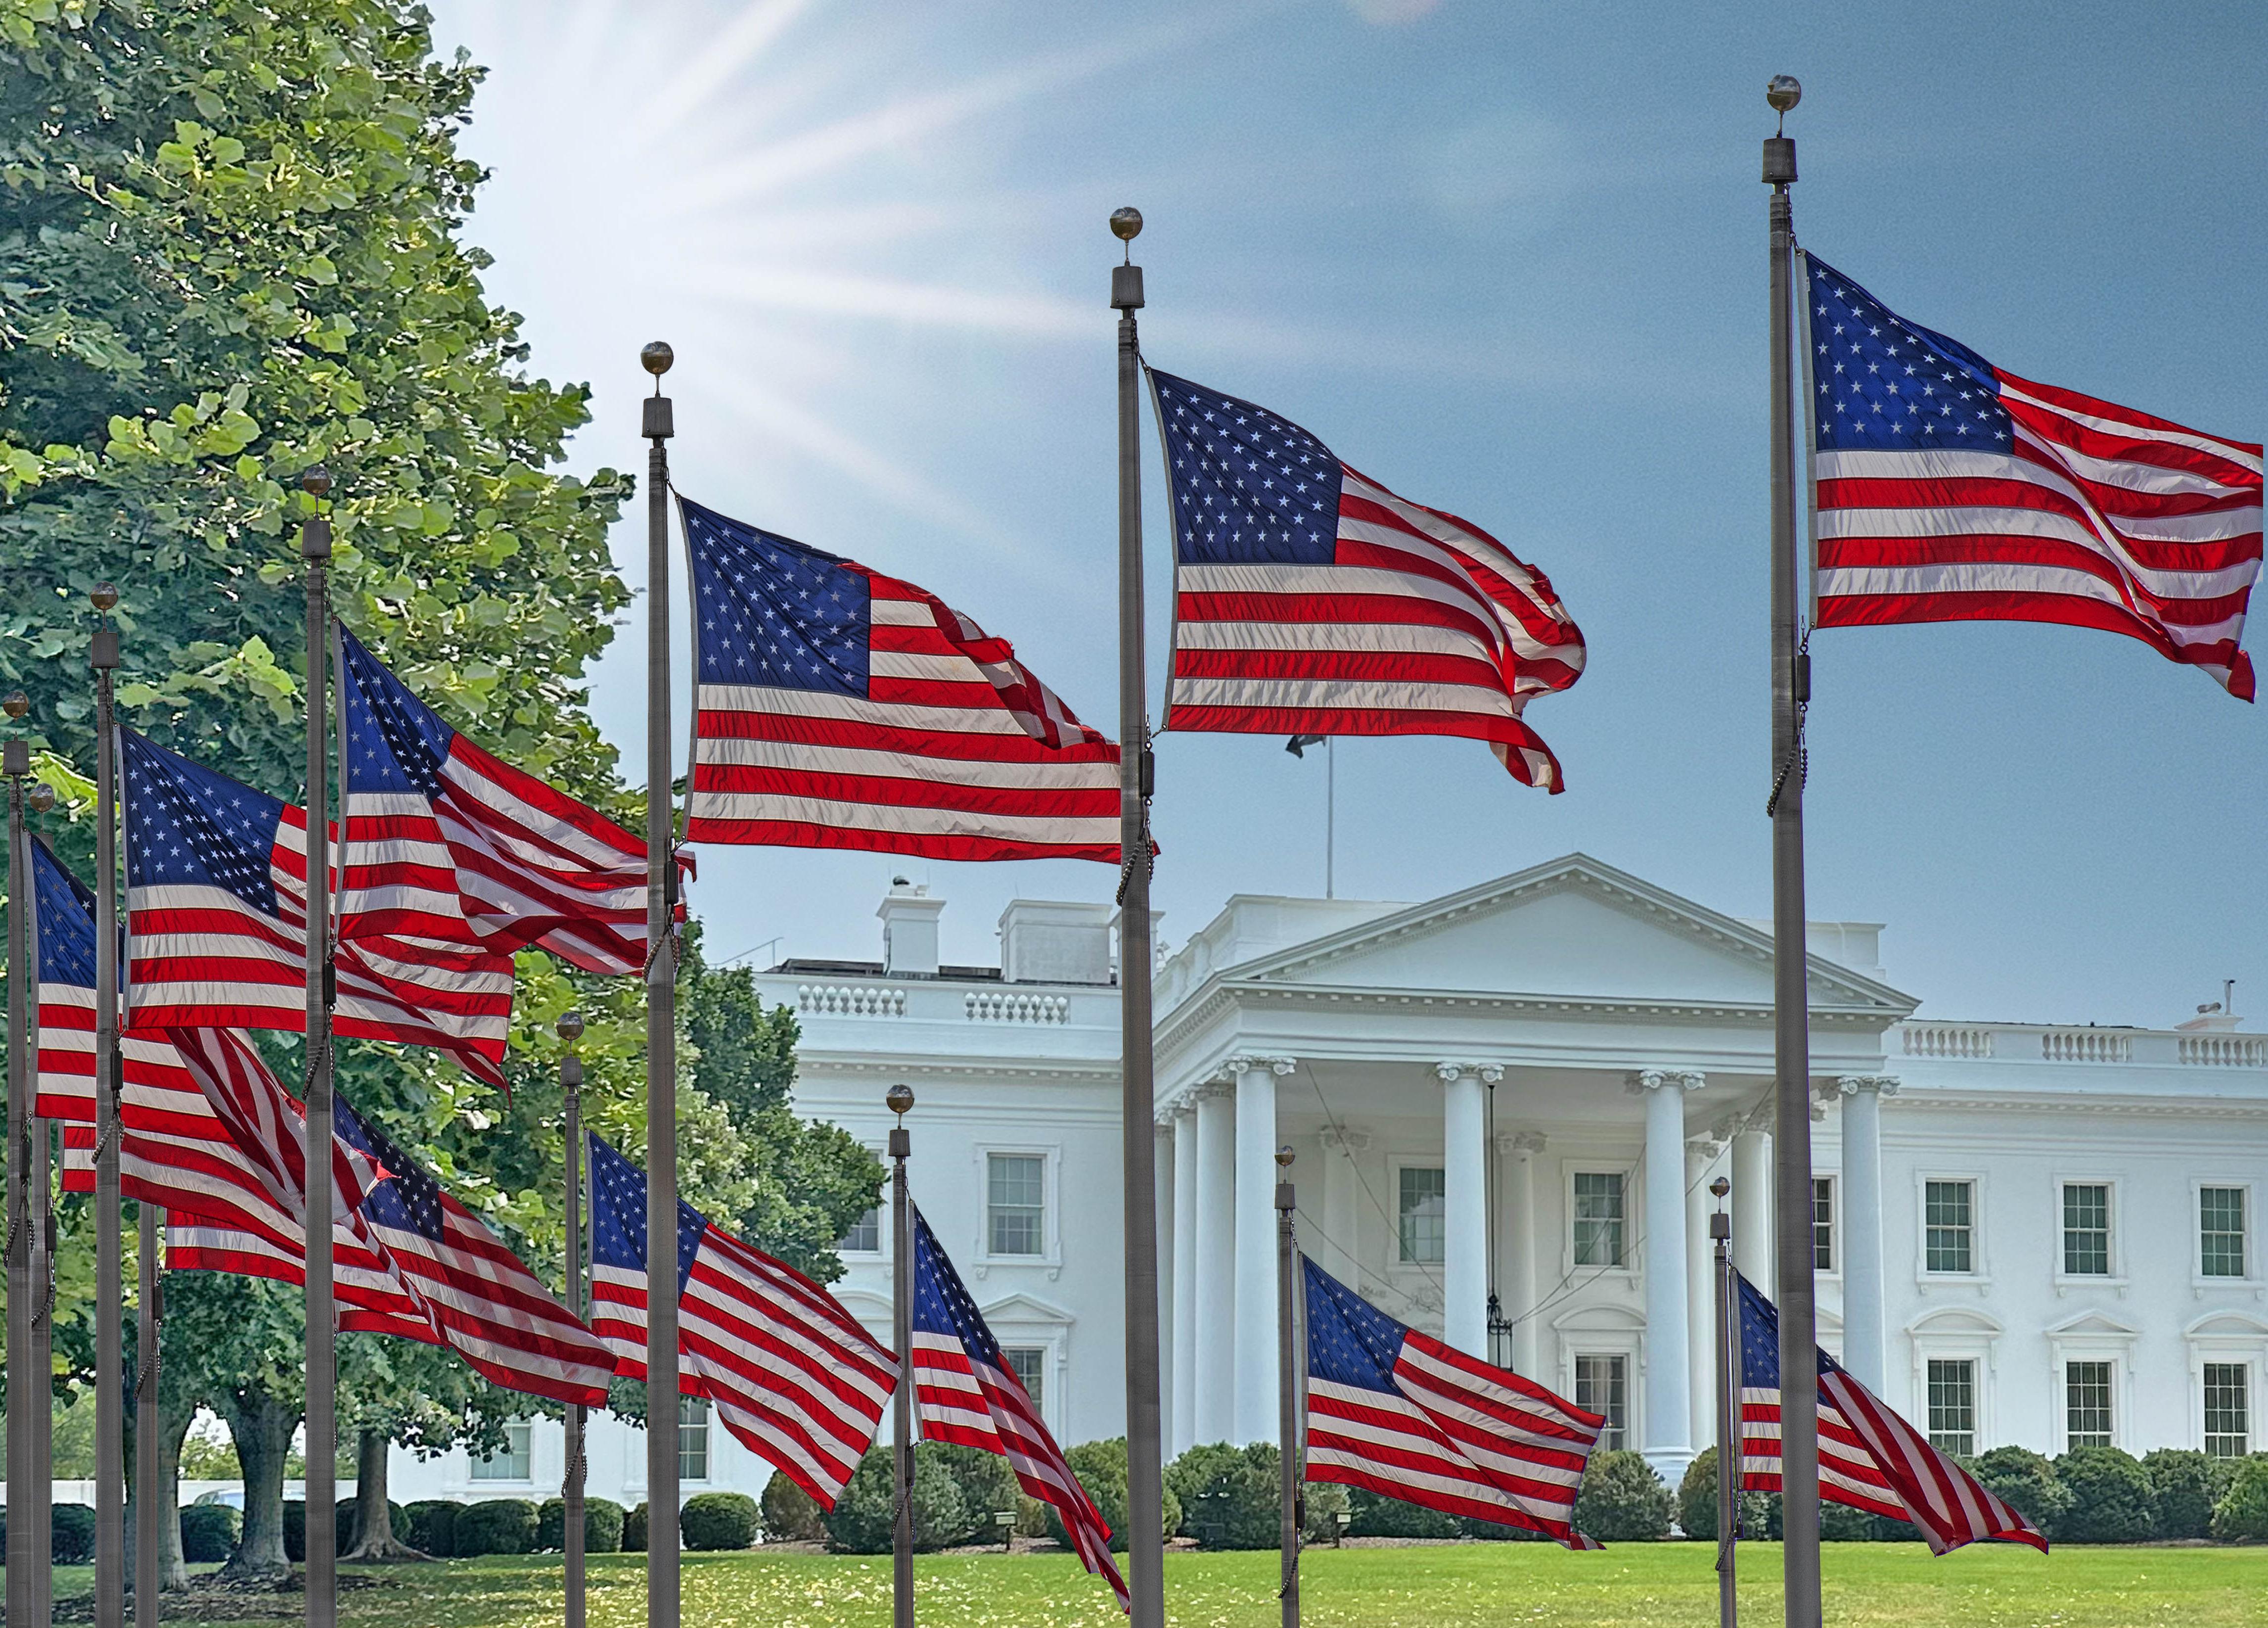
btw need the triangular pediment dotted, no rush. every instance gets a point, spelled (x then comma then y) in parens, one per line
(1025, 1308)
(2093, 1324)
(1576, 927)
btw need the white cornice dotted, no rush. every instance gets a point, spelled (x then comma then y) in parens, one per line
(916, 1067)
(2074, 1103)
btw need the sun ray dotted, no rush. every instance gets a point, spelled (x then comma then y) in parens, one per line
(711, 69)
(837, 294)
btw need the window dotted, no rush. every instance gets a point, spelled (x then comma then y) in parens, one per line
(2087, 1229)
(1949, 1226)
(1603, 1387)
(1028, 1364)
(2220, 1232)
(2227, 1410)
(1953, 1403)
(508, 1462)
(1418, 1213)
(1598, 1219)
(2087, 1404)
(1016, 1204)
(692, 1438)
(1823, 1224)
(865, 1235)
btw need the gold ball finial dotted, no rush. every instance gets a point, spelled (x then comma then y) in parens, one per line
(15, 703)
(1782, 94)
(656, 359)
(1126, 224)
(1283, 1156)
(104, 596)
(570, 1027)
(1721, 1187)
(41, 797)
(900, 1098)
(316, 482)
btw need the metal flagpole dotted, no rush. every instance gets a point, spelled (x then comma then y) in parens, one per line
(570, 1029)
(148, 1473)
(322, 1329)
(1728, 1407)
(1287, 1393)
(1790, 688)
(902, 1327)
(109, 1245)
(16, 763)
(661, 1533)
(1145, 1490)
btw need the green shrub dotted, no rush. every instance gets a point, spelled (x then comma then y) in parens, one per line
(1623, 1501)
(602, 1526)
(1696, 1502)
(496, 1526)
(987, 1483)
(1377, 1515)
(2242, 1514)
(431, 1525)
(1323, 1503)
(2106, 1498)
(1100, 1467)
(634, 1531)
(71, 1534)
(1840, 1523)
(861, 1519)
(2024, 1481)
(209, 1533)
(790, 1514)
(715, 1521)
(1228, 1495)
(2181, 1493)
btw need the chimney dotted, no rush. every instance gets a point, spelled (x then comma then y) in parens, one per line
(1045, 942)
(909, 930)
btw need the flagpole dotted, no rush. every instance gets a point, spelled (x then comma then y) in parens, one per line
(148, 1480)
(109, 1245)
(1287, 1392)
(1791, 685)
(902, 1327)
(321, 1504)
(1728, 1408)
(1145, 1491)
(570, 1029)
(661, 1533)
(16, 763)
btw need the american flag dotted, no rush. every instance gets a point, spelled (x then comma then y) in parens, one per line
(1950, 490)
(965, 1393)
(1309, 600)
(1400, 1413)
(455, 858)
(790, 1373)
(839, 708)
(216, 881)
(1869, 1458)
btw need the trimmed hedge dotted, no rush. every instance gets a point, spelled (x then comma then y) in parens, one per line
(861, 1519)
(634, 1531)
(1377, 1515)
(790, 1514)
(497, 1526)
(602, 1526)
(1100, 1467)
(209, 1533)
(295, 1526)
(987, 1485)
(2106, 1498)
(716, 1521)
(2181, 1493)
(1696, 1502)
(431, 1525)
(1623, 1501)
(71, 1540)
(1228, 1494)
(2242, 1514)
(2024, 1481)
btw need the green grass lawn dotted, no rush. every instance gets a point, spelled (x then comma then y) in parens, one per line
(1630, 1585)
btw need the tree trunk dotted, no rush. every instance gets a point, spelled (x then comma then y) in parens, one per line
(373, 1523)
(172, 1571)
(261, 1426)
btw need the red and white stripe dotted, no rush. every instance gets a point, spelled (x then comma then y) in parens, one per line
(1871, 1459)
(1460, 1436)
(790, 1373)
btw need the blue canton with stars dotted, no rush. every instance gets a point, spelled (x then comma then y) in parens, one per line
(1879, 381)
(395, 741)
(1248, 487)
(189, 826)
(65, 921)
(770, 611)
(412, 1201)
(1760, 1342)
(1350, 1341)
(941, 1304)
(618, 1217)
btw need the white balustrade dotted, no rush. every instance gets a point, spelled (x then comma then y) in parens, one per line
(2225, 1050)
(1947, 1039)
(1015, 1006)
(851, 1000)
(2085, 1045)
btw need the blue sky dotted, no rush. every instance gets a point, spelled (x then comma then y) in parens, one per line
(1507, 258)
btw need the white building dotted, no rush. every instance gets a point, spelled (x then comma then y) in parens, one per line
(1520, 1094)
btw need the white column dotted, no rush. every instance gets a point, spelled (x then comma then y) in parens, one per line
(1864, 1341)
(1669, 1426)
(1464, 1203)
(1340, 1250)
(1751, 1176)
(1184, 1415)
(1162, 1170)
(1216, 1297)
(1526, 1232)
(1255, 1418)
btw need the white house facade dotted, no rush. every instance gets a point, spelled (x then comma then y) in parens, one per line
(1507, 1107)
